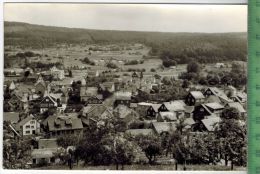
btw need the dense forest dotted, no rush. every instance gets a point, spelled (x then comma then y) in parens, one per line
(172, 48)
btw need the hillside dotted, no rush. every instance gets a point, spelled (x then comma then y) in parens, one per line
(170, 47)
(34, 35)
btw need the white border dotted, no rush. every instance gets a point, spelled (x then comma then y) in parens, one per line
(220, 2)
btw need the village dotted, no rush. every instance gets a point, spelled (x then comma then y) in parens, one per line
(45, 105)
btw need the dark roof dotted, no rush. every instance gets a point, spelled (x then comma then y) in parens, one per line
(56, 123)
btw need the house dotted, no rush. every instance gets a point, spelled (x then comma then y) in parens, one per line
(215, 108)
(64, 125)
(194, 98)
(57, 73)
(210, 123)
(217, 92)
(239, 108)
(200, 112)
(95, 114)
(142, 107)
(240, 97)
(206, 110)
(167, 117)
(42, 156)
(177, 106)
(16, 102)
(188, 113)
(153, 110)
(163, 127)
(40, 86)
(28, 126)
(107, 86)
(49, 102)
(90, 95)
(122, 98)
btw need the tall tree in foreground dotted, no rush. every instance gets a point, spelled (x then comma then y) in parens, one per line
(232, 135)
(16, 153)
(150, 145)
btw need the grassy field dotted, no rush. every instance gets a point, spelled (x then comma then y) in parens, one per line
(144, 167)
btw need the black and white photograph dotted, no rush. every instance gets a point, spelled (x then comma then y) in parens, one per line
(110, 86)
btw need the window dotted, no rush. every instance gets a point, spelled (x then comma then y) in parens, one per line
(27, 132)
(32, 122)
(27, 126)
(201, 109)
(32, 127)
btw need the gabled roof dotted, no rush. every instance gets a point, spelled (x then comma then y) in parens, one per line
(214, 105)
(197, 94)
(155, 107)
(24, 121)
(52, 98)
(176, 105)
(161, 127)
(168, 115)
(217, 92)
(96, 111)
(206, 108)
(210, 122)
(238, 106)
(212, 99)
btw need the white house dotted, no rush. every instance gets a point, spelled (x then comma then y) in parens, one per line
(28, 126)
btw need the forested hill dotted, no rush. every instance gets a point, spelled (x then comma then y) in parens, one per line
(170, 45)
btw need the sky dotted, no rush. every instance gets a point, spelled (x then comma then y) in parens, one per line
(136, 17)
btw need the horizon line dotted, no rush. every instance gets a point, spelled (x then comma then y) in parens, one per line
(122, 30)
